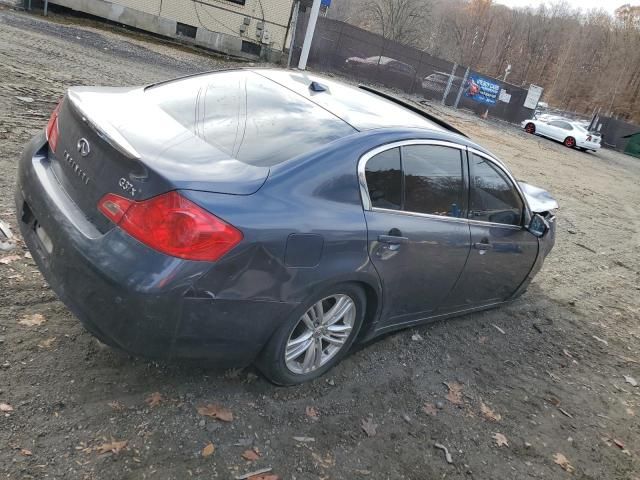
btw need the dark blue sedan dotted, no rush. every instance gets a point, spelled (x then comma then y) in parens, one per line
(269, 216)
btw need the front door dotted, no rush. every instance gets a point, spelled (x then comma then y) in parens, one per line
(502, 250)
(418, 235)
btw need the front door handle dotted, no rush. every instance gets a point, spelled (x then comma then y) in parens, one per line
(483, 245)
(392, 239)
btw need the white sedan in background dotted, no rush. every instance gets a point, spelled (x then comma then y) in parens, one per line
(571, 134)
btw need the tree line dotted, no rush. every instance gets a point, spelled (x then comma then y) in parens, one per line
(587, 61)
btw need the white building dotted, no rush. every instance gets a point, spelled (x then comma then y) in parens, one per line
(249, 28)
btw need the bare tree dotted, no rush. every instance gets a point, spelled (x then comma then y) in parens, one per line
(403, 21)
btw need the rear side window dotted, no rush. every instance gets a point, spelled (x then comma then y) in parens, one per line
(247, 116)
(384, 179)
(433, 180)
(493, 196)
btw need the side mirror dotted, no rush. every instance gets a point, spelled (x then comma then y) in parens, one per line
(538, 225)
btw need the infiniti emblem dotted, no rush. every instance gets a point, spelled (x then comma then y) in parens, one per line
(83, 147)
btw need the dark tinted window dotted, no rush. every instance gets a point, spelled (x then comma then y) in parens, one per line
(433, 180)
(248, 117)
(493, 196)
(384, 179)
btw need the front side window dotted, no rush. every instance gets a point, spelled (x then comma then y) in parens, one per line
(493, 196)
(433, 180)
(384, 179)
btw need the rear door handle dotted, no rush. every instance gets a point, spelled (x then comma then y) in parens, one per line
(392, 239)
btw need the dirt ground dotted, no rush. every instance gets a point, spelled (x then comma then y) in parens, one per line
(546, 372)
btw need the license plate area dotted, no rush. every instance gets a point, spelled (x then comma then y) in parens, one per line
(43, 236)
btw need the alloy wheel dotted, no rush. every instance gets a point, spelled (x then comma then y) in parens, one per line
(320, 333)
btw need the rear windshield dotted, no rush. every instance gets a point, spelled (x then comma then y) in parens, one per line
(248, 117)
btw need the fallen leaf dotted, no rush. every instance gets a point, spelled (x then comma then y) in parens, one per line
(416, 337)
(430, 409)
(325, 462)
(208, 450)
(455, 393)
(9, 259)
(217, 412)
(32, 320)
(604, 342)
(369, 427)
(28, 255)
(630, 412)
(116, 405)
(25, 452)
(482, 340)
(631, 381)
(5, 407)
(561, 460)
(489, 414)
(304, 439)
(47, 343)
(311, 412)
(154, 399)
(251, 455)
(268, 476)
(619, 443)
(501, 440)
(566, 353)
(114, 447)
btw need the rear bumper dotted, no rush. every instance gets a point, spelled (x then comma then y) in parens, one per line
(126, 294)
(590, 145)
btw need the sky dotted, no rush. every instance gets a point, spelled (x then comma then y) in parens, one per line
(608, 5)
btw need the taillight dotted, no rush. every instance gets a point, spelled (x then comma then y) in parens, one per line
(172, 225)
(52, 131)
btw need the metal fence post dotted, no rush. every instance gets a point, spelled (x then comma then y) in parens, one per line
(464, 81)
(46, 7)
(449, 83)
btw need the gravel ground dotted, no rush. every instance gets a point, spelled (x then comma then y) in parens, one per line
(546, 372)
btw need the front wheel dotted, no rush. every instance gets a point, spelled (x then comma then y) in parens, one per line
(569, 142)
(530, 128)
(316, 337)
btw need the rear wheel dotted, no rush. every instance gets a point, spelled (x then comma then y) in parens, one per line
(316, 337)
(530, 128)
(569, 142)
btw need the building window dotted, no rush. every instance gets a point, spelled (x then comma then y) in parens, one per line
(184, 30)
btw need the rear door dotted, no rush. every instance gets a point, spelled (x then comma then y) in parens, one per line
(414, 196)
(502, 250)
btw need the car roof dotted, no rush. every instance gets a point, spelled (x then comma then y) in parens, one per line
(361, 109)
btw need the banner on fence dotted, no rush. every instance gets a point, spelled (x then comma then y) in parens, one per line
(482, 90)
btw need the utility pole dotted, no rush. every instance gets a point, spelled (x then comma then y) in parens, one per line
(308, 37)
(294, 29)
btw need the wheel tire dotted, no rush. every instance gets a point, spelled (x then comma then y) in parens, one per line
(569, 142)
(530, 128)
(272, 362)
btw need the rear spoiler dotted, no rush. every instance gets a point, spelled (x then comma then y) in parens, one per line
(103, 128)
(414, 109)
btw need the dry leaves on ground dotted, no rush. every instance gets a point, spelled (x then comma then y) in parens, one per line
(5, 407)
(251, 455)
(113, 447)
(501, 440)
(312, 413)
(489, 414)
(268, 476)
(47, 343)
(631, 381)
(561, 460)
(216, 411)
(324, 462)
(455, 393)
(369, 427)
(208, 450)
(154, 399)
(32, 320)
(9, 259)
(430, 409)
(116, 405)
(25, 452)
